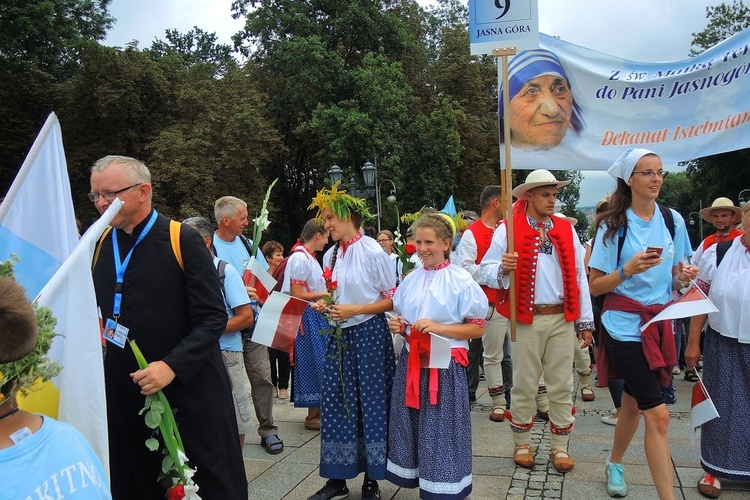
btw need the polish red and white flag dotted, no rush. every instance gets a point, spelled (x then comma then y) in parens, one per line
(702, 407)
(693, 303)
(257, 277)
(279, 320)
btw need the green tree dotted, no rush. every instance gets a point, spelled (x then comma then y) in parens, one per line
(724, 21)
(337, 93)
(117, 103)
(220, 143)
(40, 45)
(195, 47)
(678, 192)
(470, 84)
(51, 34)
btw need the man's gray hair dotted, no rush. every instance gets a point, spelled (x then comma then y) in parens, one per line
(135, 169)
(202, 225)
(227, 206)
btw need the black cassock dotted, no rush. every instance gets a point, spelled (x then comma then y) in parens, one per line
(177, 317)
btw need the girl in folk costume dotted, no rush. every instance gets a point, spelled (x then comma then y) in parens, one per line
(303, 278)
(359, 362)
(429, 441)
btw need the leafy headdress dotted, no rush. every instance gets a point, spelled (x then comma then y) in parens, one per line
(340, 203)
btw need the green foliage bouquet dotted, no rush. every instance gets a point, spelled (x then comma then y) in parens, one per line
(336, 331)
(176, 474)
(20, 375)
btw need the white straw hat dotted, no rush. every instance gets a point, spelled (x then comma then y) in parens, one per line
(719, 203)
(538, 178)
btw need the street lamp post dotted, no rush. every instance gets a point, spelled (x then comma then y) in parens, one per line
(741, 197)
(391, 198)
(700, 222)
(372, 186)
(335, 174)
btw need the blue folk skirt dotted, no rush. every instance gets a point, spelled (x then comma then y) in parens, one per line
(725, 441)
(355, 443)
(430, 448)
(309, 355)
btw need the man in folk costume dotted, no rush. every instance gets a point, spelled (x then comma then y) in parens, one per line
(550, 308)
(724, 215)
(474, 244)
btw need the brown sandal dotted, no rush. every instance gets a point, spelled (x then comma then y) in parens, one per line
(587, 393)
(523, 457)
(497, 414)
(562, 461)
(709, 486)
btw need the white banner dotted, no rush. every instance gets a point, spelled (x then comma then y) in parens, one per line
(573, 108)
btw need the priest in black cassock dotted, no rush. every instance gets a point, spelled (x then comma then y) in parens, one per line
(175, 312)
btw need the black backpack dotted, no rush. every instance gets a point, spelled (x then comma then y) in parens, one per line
(721, 250)
(247, 333)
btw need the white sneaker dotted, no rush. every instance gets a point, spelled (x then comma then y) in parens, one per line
(609, 420)
(676, 370)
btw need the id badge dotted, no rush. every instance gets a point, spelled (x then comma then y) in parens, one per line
(115, 333)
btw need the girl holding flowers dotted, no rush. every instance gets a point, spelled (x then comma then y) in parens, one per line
(359, 362)
(429, 439)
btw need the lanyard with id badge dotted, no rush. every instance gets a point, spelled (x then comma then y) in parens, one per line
(115, 332)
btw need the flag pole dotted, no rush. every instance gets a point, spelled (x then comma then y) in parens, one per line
(506, 174)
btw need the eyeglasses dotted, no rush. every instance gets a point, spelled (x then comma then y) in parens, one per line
(651, 174)
(384, 240)
(109, 195)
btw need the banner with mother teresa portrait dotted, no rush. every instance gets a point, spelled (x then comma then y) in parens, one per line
(574, 108)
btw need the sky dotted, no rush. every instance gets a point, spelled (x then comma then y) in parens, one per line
(638, 30)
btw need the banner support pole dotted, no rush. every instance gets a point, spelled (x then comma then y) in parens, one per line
(506, 174)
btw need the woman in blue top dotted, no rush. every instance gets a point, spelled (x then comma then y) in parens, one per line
(639, 279)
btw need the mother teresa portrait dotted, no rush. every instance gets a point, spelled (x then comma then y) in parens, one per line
(542, 108)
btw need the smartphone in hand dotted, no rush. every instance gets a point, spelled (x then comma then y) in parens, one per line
(655, 249)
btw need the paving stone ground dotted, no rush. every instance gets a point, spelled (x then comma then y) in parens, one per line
(293, 474)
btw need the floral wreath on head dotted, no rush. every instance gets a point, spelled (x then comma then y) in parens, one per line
(410, 218)
(340, 203)
(458, 221)
(18, 376)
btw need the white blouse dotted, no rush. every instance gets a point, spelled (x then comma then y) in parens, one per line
(446, 294)
(364, 276)
(730, 292)
(302, 268)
